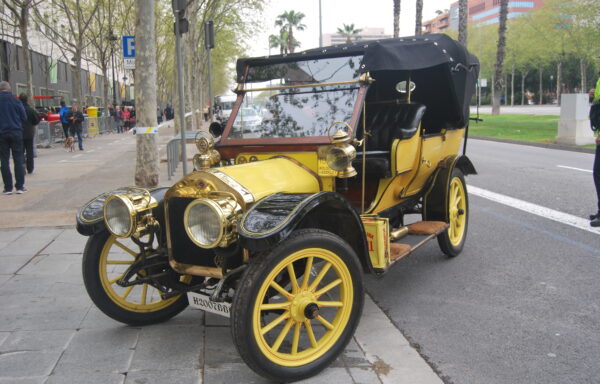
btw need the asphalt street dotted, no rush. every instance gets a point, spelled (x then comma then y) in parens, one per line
(520, 304)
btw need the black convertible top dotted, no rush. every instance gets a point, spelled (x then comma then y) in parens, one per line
(456, 69)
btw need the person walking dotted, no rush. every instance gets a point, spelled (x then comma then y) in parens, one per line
(118, 120)
(76, 118)
(125, 116)
(595, 121)
(29, 125)
(62, 113)
(12, 116)
(159, 115)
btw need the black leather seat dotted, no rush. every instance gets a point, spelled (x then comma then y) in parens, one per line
(387, 123)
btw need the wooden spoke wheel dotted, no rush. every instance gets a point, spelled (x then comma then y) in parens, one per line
(298, 306)
(453, 239)
(105, 260)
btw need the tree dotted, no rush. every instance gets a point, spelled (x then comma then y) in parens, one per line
(349, 32)
(291, 20)
(72, 37)
(279, 41)
(463, 15)
(146, 168)
(498, 77)
(419, 18)
(19, 10)
(396, 18)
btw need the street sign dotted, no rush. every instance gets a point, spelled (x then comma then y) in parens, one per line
(129, 52)
(483, 83)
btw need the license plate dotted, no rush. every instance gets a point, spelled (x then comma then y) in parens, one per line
(204, 303)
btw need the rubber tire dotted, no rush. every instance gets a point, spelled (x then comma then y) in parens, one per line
(444, 239)
(93, 285)
(241, 313)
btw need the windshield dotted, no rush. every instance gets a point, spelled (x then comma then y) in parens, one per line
(279, 110)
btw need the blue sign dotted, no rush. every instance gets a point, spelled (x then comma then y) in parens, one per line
(128, 47)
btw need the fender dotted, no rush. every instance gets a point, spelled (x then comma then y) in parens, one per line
(435, 200)
(90, 217)
(275, 217)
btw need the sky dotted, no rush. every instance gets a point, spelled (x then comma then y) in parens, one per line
(370, 13)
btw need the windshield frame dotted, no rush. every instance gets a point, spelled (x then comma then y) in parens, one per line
(362, 82)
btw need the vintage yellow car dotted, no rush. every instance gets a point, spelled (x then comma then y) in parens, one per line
(335, 162)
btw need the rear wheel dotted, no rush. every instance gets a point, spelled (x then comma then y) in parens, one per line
(297, 307)
(105, 260)
(453, 239)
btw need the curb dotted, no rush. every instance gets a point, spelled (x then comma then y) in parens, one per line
(562, 147)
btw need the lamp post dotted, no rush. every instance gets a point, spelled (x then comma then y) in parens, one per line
(112, 38)
(125, 85)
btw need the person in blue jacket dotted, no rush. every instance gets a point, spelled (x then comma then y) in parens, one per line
(64, 111)
(12, 116)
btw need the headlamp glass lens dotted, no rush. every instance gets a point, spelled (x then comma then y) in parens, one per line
(118, 217)
(204, 224)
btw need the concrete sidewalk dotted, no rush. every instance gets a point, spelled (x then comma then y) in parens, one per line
(50, 332)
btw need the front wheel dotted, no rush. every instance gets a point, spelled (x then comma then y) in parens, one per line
(298, 306)
(105, 259)
(452, 240)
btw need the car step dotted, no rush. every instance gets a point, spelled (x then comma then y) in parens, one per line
(421, 228)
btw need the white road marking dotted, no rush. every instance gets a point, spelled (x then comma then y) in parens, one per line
(76, 156)
(91, 150)
(535, 209)
(577, 169)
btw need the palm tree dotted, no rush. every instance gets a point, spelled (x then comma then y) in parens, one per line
(290, 20)
(462, 21)
(279, 41)
(396, 18)
(349, 32)
(419, 18)
(498, 77)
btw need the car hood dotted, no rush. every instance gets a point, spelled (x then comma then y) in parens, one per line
(249, 182)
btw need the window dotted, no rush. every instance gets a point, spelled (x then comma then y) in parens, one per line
(22, 88)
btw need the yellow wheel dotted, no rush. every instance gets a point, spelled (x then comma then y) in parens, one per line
(297, 307)
(453, 239)
(105, 260)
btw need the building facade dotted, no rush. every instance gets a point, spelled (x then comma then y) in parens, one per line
(481, 12)
(366, 34)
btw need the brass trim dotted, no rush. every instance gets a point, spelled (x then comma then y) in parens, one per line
(131, 210)
(196, 270)
(232, 183)
(364, 159)
(311, 85)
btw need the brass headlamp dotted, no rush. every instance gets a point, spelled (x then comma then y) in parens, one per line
(123, 212)
(207, 156)
(340, 155)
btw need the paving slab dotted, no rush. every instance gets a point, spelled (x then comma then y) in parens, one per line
(169, 347)
(61, 266)
(10, 264)
(8, 236)
(69, 241)
(30, 243)
(86, 377)
(99, 351)
(180, 376)
(24, 380)
(19, 363)
(51, 340)
(232, 373)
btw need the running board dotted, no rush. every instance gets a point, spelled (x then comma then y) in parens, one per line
(431, 229)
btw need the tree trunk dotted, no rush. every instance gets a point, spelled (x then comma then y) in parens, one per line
(583, 69)
(105, 85)
(76, 72)
(505, 89)
(396, 18)
(523, 76)
(419, 18)
(558, 81)
(541, 99)
(463, 15)
(512, 86)
(499, 78)
(493, 90)
(146, 169)
(23, 27)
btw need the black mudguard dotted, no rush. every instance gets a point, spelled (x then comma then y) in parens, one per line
(436, 199)
(275, 217)
(90, 217)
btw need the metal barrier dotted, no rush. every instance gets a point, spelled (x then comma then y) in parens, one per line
(174, 149)
(50, 133)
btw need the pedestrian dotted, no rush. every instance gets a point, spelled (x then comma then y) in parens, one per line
(76, 118)
(594, 120)
(29, 125)
(118, 120)
(12, 116)
(125, 116)
(158, 115)
(64, 110)
(132, 118)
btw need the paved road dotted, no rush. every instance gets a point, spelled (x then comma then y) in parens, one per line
(521, 110)
(520, 304)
